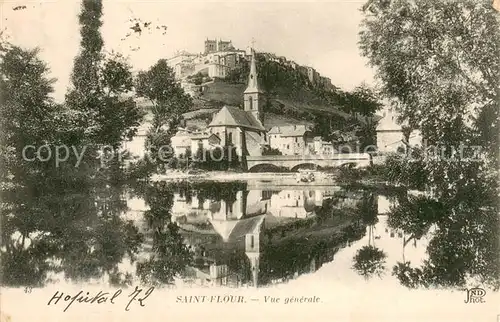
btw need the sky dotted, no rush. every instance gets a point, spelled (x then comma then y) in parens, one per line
(321, 34)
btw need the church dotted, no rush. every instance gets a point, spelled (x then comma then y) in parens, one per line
(243, 128)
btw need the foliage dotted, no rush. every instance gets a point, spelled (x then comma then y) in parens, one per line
(416, 215)
(362, 100)
(218, 158)
(437, 61)
(369, 261)
(169, 256)
(270, 151)
(348, 173)
(367, 209)
(447, 84)
(407, 171)
(169, 102)
(464, 242)
(102, 113)
(198, 78)
(55, 218)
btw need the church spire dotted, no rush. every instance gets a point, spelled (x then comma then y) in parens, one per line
(253, 84)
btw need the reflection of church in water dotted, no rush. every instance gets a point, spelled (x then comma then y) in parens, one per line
(227, 235)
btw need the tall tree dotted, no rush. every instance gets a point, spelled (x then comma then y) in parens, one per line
(169, 256)
(168, 100)
(85, 96)
(100, 93)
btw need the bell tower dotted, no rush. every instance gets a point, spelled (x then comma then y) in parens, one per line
(253, 96)
(253, 253)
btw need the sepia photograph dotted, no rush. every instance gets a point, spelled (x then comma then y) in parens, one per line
(250, 160)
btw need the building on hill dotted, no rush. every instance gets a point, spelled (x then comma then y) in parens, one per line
(326, 83)
(243, 129)
(214, 45)
(291, 139)
(218, 59)
(313, 75)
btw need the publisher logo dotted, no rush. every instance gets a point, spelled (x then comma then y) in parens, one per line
(475, 295)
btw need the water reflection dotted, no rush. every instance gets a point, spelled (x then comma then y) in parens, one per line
(235, 234)
(76, 234)
(260, 237)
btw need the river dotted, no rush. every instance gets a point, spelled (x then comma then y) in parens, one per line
(247, 233)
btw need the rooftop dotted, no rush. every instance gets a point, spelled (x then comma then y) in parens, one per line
(233, 116)
(290, 130)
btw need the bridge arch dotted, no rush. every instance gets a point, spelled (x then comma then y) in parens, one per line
(265, 167)
(350, 164)
(306, 165)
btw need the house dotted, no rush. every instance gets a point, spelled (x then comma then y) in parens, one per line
(293, 204)
(204, 141)
(390, 136)
(181, 143)
(312, 75)
(243, 128)
(322, 147)
(291, 139)
(389, 132)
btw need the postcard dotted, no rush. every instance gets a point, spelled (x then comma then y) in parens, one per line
(250, 161)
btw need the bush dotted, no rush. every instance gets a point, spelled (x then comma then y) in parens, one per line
(172, 163)
(270, 151)
(410, 172)
(217, 159)
(348, 174)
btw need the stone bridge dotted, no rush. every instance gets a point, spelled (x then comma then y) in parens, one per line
(295, 162)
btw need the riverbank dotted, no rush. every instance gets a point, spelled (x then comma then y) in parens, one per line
(274, 179)
(225, 176)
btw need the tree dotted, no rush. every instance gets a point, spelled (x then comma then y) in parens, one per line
(362, 100)
(119, 117)
(169, 101)
(369, 261)
(169, 256)
(437, 62)
(85, 96)
(64, 212)
(26, 116)
(100, 86)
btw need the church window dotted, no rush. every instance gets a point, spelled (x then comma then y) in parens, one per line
(251, 241)
(230, 138)
(250, 102)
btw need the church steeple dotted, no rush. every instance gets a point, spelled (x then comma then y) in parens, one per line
(253, 83)
(253, 95)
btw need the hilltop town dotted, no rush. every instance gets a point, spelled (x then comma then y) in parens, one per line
(244, 116)
(220, 58)
(243, 129)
